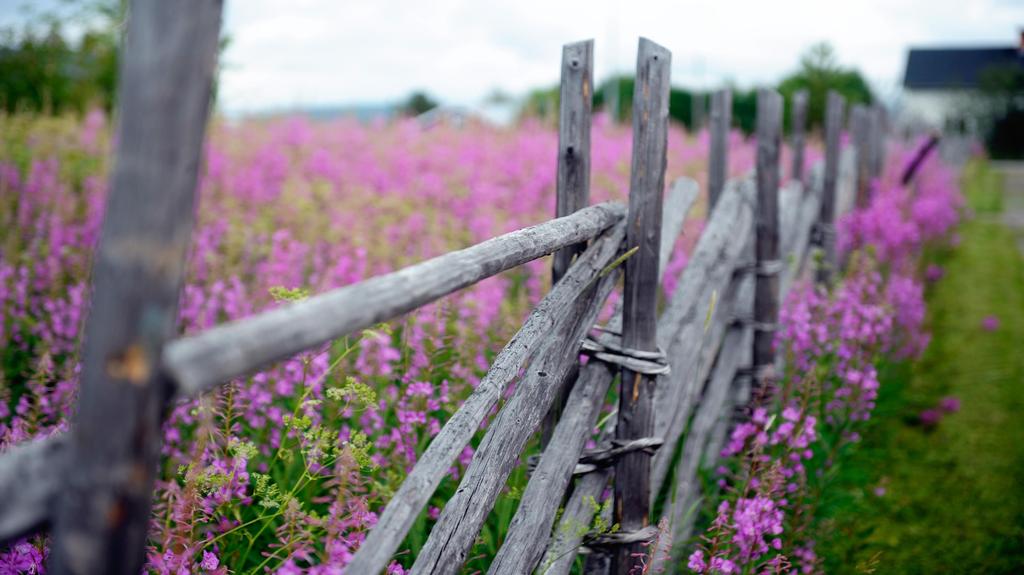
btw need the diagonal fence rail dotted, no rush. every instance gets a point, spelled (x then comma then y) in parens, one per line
(682, 371)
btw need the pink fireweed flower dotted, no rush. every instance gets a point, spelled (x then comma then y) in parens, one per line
(950, 404)
(990, 323)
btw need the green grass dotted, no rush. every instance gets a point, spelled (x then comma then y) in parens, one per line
(953, 497)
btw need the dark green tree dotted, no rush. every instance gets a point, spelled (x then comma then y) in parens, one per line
(820, 72)
(418, 103)
(997, 110)
(41, 71)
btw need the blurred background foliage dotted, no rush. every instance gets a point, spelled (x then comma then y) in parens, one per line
(63, 59)
(819, 71)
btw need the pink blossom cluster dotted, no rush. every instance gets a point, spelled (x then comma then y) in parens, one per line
(899, 219)
(285, 470)
(830, 341)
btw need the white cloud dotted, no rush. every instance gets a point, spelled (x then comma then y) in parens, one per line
(302, 52)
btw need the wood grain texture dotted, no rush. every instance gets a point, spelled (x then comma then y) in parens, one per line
(201, 362)
(718, 158)
(464, 514)
(31, 476)
(539, 504)
(681, 328)
(799, 134)
(877, 130)
(640, 290)
(572, 191)
(860, 131)
(164, 97)
(520, 552)
(681, 512)
(766, 250)
(574, 121)
(552, 315)
(834, 109)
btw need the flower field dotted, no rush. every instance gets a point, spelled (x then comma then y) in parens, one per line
(285, 471)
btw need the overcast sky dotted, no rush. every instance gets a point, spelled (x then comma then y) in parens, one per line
(301, 52)
(291, 53)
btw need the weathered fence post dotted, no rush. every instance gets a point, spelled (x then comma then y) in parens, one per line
(574, 119)
(640, 315)
(767, 263)
(799, 126)
(164, 97)
(573, 185)
(698, 110)
(825, 232)
(877, 124)
(718, 161)
(860, 130)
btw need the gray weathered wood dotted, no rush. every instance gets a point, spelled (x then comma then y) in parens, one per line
(552, 315)
(860, 130)
(826, 220)
(201, 362)
(464, 514)
(799, 127)
(682, 332)
(574, 120)
(531, 524)
(572, 191)
(576, 519)
(718, 156)
(640, 290)
(543, 494)
(30, 480)
(877, 129)
(798, 213)
(680, 511)
(167, 70)
(698, 110)
(766, 298)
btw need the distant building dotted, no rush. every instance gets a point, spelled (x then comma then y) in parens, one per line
(940, 83)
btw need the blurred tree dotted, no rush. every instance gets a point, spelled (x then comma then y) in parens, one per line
(820, 72)
(418, 103)
(998, 110)
(43, 71)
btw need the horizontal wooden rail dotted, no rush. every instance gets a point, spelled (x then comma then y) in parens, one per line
(201, 362)
(30, 478)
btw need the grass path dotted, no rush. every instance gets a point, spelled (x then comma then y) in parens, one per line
(948, 499)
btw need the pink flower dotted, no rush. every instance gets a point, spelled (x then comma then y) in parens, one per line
(990, 323)
(950, 404)
(210, 561)
(930, 417)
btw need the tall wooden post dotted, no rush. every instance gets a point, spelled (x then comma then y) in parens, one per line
(877, 124)
(573, 187)
(698, 109)
(799, 127)
(767, 264)
(826, 227)
(718, 160)
(860, 130)
(167, 71)
(574, 119)
(639, 311)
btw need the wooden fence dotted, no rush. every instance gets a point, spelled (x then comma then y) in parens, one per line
(682, 372)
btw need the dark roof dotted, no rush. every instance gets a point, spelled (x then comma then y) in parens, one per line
(946, 68)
